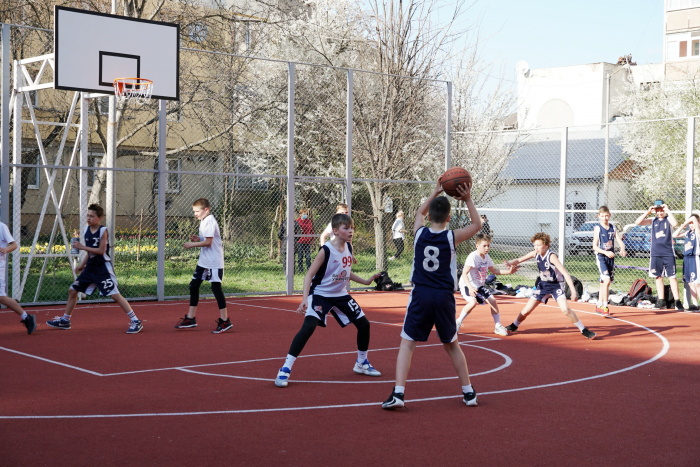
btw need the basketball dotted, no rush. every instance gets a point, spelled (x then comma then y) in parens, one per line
(454, 177)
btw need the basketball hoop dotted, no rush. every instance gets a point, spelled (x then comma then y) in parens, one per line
(138, 89)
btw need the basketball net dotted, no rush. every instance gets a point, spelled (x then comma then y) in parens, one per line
(137, 89)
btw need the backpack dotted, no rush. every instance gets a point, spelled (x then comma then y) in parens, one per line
(384, 282)
(639, 287)
(577, 285)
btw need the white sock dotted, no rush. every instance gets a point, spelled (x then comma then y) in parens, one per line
(66, 317)
(361, 356)
(580, 325)
(24, 315)
(132, 316)
(399, 389)
(600, 304)
(516, 322)
(289, 361)
(496, 318)
(605, 303)
(467, 388)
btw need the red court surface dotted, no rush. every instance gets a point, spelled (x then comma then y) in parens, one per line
(95, 396)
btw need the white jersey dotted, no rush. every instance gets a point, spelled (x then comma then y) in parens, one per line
(211, 257)
(5, 239)
(479, 270)
(329, 231)
(334, 274)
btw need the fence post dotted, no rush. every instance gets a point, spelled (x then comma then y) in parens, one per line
(111, 155)
(606, 176)
(82, 173)
(162, 183)
(689, 177)
(448, 127)
(5, 180)
(17, 180)
(348, 144)
(291, 240)
(562, 195)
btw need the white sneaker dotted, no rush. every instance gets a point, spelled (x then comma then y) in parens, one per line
(500, 330)
(282, 379)
(365, 368)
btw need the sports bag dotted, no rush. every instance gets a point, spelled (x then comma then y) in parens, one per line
(639, 287)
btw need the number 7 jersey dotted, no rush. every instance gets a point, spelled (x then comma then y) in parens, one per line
(434, 260)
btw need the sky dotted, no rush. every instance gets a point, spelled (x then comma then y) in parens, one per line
(554, 33)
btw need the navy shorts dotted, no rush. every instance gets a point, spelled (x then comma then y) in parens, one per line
(97, 276)
(344, 309)
(482, 294)
(428, 307)
(690, 269)
(662, 266)
(211, 275)
(606, 267)
(546, 290)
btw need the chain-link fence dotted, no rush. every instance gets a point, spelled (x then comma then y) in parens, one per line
(231, 137)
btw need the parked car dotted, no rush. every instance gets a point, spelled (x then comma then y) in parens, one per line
(581, 241)
(637, 240)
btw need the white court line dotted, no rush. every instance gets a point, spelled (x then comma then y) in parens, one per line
(661, 353)
(507, 362)
(51, 361)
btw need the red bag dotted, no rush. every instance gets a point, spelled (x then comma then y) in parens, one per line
(639, 287)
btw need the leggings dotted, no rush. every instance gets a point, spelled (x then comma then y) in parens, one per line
(215, 287)
(309, 326)
(398, 243)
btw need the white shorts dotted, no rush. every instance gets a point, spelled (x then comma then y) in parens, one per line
(3, 283)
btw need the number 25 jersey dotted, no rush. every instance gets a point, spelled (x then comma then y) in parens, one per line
(434, 260)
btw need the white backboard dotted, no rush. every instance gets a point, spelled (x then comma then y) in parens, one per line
(91, 49)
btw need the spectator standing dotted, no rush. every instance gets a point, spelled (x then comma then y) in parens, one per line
(304, 243)
(398, 234)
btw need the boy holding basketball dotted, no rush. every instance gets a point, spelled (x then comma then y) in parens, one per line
(471, 283)
(210, 267)
(604, 236)
(325, 292)
(96, 272)
(7, 245)
(662, 262)
(552, 276)
(434, 279)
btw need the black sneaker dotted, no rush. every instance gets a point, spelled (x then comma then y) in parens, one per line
(395, 400)
(59, 322)
(679, 305)
(470, 398)
(511, 327)
(692, 309)
(29, 323)
(588, 334)
(187, 323)
(660, 304)
(222, 326)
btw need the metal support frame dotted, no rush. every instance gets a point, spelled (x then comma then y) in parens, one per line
(689, 177)
(348, 143)
(111, 155)
(16, 180)
(5, 117)
(448, 127)
(290, 181)
(562, 195)
(162, 183)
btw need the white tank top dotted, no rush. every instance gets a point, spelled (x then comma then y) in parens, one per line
(334, 274)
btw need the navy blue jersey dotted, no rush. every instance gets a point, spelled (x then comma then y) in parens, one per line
(606, 238)
(691, 244)
(92, 240)
(548, 273)
(661, 240)
(434, 259)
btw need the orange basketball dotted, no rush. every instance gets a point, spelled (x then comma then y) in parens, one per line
(454, 177)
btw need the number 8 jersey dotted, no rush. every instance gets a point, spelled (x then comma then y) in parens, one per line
(434, 260)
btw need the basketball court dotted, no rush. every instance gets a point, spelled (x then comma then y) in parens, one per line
(547, 396)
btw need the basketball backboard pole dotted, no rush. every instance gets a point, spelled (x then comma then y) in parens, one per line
(111, 155)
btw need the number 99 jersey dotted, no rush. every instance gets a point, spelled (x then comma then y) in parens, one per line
(434, 260)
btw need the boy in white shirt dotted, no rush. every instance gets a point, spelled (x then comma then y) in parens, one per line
(398, 233)
(471, 283)
(327, 233)
(8, 244)
(210, 267)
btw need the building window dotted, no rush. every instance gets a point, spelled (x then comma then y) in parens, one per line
(34, 178)
(696, 48)
(174, 179)
(197, 32)
(683, 49)
(34, 98)
(93, 161)
(682, 4)
(248, 183)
